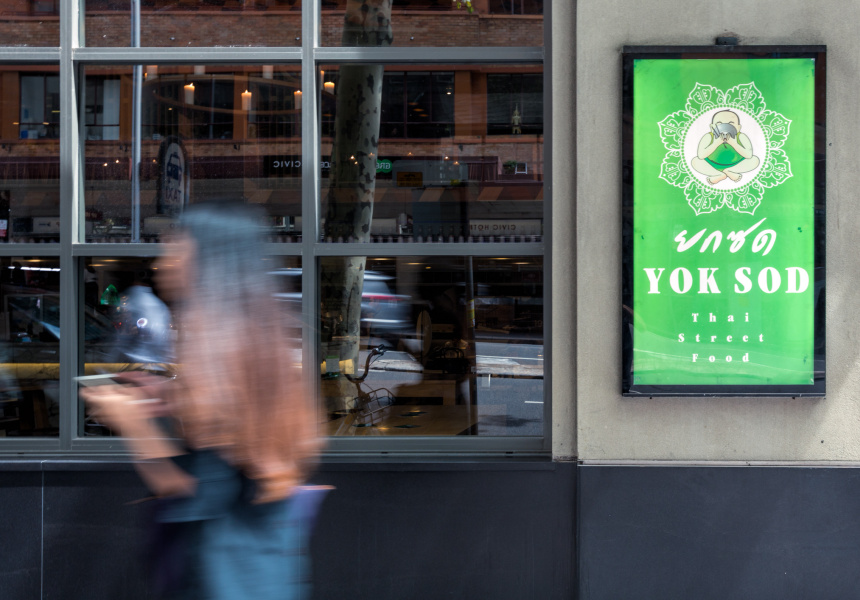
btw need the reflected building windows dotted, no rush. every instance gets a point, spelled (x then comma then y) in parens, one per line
(516, 7)
(515, 104)
(102, 110)
(44, 8)
(29, 153)
(208, 133)
(417, 105)
(40, 107)
(275, 100)
(201, 106)
(448, 165)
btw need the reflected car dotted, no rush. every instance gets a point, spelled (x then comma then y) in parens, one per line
(36, 317)
(384, 314)
(124, 336)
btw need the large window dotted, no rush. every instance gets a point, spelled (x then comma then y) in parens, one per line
(440, 344)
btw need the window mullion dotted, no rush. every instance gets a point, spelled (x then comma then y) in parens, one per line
(311, 130)
(71, 178)
(546, 127)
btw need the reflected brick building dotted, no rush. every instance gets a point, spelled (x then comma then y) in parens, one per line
(446, 117)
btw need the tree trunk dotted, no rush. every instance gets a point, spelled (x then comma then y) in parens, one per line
(350, 197)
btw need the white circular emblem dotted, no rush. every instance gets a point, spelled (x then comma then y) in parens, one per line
(724, 148)
(749, 130)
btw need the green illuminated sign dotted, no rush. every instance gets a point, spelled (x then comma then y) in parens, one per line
(721, 229)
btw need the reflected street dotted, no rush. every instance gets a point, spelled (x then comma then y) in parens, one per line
(509, 390)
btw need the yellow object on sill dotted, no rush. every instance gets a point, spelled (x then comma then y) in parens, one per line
(346, 367)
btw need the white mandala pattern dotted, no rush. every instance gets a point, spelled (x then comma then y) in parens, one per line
(775, 167)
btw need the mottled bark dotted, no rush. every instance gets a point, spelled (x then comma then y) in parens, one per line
(351, 187)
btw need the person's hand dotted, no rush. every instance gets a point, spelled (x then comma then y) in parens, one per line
(121, 406)
(150, 385)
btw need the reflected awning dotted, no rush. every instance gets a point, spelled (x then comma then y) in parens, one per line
(432, 195)
(490, 193)
(259, 196)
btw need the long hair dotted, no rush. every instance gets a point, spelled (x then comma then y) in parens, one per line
(242, 391)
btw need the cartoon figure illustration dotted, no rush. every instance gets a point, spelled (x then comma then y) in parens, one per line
(724, 152)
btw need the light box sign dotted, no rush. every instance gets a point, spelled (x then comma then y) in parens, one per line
(723, 278)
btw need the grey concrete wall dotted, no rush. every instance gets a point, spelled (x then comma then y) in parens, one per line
(611, 427)
(562, 61)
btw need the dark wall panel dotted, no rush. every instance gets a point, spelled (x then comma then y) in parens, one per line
(717, 533)
(20, 534)
(460, 533)
(481, 531)
(389, 531)
(94, 534)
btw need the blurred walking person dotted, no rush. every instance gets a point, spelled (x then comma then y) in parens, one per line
(226, 445)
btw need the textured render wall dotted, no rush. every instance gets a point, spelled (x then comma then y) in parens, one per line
(613, 428)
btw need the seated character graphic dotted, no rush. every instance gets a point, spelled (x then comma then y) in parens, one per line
(724, 152)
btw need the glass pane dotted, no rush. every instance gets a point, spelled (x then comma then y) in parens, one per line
(29, 153)
(438, 345)
(30, 347)
(455, 156)
(433, 23)
(187, 23)
(206, 133)
(129, 327)
(30, 23)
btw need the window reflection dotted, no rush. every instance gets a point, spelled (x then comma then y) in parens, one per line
(207, 133)
(457, 154)
(29, 346)
(129, 327)
(29, 154)
(514, 103)
(30, 22)
(40, 107)
(196, 22)
(102, 107)
(438, 346)
(444, 23)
